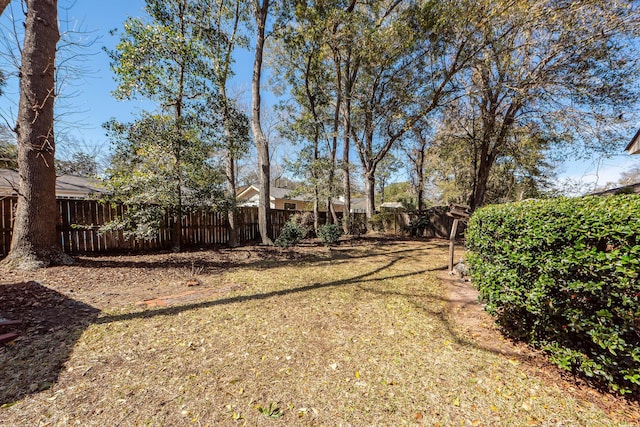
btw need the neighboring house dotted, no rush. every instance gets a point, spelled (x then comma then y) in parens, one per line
(391, 205)
(634, 145)
(281, 198)
(627, 189)
(67, 186)
(359, 205)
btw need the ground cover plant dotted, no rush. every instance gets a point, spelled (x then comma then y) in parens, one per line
(356, 334)
(564, 274)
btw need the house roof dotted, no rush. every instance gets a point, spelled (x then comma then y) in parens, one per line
(392, 205)
(627, 189)
(634, 145)
(274, 193)
(66, 185)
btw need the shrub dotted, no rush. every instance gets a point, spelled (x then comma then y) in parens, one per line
(329, 233)
(418, 225)
(382, 221)
(563, 275)
(292, 233)
(358, 224)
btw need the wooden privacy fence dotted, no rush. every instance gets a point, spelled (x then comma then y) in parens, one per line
(438, 223)
(80, 220)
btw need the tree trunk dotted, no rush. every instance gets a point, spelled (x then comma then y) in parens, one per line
(35, 241)
(346, 147)
(420, 173)
(262, 145)
(3, 5)
(482, 178)
(370, 192)
(231, 193)
(230, 173)
(316, 210)
(331, 208)
(176, 211)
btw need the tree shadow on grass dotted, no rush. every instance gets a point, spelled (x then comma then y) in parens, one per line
(228, 259)
(51, 323)
(355, 280)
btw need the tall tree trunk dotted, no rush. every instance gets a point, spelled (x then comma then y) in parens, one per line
(231, 193)
(176, 211)
(35, 241)
(230, 174)
(316, 209)
(262, 145)
(346, 147)
(419, 170)
(176, 229)
(420, 192)
(482, 178)
(370, 192)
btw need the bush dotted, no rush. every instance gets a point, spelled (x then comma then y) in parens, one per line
(358, 224)
(329, 233)
(292, 233)
(563, 275)
(418, 225)
(382, 221)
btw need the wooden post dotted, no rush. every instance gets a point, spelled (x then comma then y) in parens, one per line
(452, 242)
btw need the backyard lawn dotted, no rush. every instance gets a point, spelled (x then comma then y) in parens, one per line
(367, 333)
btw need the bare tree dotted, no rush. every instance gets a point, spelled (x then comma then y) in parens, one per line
(416, 152)
(563, 76)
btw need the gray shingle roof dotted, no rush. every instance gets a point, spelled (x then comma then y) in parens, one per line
(66, 185)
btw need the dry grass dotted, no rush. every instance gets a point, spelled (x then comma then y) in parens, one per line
(357, 336)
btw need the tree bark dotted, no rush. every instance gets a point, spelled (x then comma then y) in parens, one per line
(230, 174)
(418, 167)
(346, 147)
(262, 145)
(231, 192)
(482, 178)
(35, 241)
(370, 192)
(420, 183)
(3, 5)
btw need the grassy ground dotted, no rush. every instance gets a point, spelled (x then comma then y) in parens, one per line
(354, 336)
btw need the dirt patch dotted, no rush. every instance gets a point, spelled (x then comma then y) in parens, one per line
(116, 281)
(189, 296)
(468, 313)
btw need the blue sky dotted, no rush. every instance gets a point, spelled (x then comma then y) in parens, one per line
(91, 90)
(93, 103)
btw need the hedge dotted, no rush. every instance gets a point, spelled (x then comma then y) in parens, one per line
(563, 275)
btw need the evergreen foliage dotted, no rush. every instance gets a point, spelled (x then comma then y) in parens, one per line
(564, 275)
(292, 232)
(329, 234)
